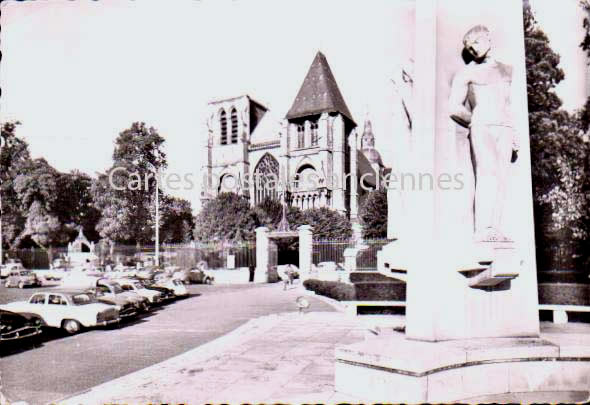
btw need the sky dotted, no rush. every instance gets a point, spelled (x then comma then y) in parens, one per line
(76, 73)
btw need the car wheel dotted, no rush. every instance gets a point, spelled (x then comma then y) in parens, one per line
(208, 281)
(21, 285)
(71, 326)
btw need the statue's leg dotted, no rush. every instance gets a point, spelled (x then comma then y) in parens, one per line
(503, 155)
(484, 151)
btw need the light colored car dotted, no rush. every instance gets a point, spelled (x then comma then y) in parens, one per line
(12, 264)
(175, 285)
(137, 287)
(67, 309)
(112, 288)
(22, 278)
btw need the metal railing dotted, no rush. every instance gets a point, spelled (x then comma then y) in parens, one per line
(366, 259)
(330, 250)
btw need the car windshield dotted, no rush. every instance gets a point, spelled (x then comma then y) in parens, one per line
(82, 299)
(26, 273)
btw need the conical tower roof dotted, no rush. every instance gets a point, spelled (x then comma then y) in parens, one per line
(319, 92)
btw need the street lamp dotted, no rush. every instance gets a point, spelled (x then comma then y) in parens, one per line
(156, 167)
(158, 217)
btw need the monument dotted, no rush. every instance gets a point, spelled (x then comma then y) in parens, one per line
(465, 250)
(81, 252)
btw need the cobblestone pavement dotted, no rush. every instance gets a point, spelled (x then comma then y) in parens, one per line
(284, 358)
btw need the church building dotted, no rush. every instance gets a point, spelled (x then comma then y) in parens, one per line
(310, 157)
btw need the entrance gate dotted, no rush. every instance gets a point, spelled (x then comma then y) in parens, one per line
(267, 253)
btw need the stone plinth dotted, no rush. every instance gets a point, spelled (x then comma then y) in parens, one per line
(396, 369)
(262, 255)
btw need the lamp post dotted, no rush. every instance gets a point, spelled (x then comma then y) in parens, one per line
(158, 217)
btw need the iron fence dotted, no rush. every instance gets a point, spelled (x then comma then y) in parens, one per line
(330, 250)
(366, 259)
(182, 255)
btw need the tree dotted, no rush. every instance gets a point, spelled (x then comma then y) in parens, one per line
(558, 151)
(326, 223)
(124, 195)
(177, 221)
(373, 215)
(75, 204)
(227, 217)
(14, 155)
(37, 190)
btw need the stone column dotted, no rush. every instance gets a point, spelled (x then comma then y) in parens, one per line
(307, 134)
(352, 145)
(305, 251)
(338, 170)
(262, 253)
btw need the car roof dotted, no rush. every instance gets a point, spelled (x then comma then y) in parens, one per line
(70, 291)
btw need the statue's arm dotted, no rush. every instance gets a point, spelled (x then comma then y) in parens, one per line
(457, 110)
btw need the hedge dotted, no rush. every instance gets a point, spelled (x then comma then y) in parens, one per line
(331, 289)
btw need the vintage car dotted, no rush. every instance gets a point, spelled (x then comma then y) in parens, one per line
(146, 273)
(14, 326)
(175, 285)
(70, 310)
(127, 307)
(167, 293)
(12, 264)
(111, 288)
(200, 276)
(22, 278)
(155, 297)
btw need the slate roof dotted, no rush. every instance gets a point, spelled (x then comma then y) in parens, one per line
(319, 92)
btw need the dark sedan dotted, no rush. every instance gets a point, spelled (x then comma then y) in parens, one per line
(14, 326)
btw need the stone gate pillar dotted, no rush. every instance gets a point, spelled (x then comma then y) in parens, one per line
(305, 251)
(262, 254)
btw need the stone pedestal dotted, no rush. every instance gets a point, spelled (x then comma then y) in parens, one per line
(396, 369)
(305, 251)
(262, 255)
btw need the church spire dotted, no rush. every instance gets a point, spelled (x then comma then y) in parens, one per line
(319, 92)
(368, 139)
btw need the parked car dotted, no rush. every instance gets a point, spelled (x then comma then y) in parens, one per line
(111, 288)
(127, 308)
(70, 310)
(14, 326)
(175, 285)
(154, 297)
(12, 264)
(22, 278)
(167, 293)
(200, 276)
(147, 273)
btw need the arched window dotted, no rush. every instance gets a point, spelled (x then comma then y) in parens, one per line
(300, 136)
(223, 127)
(314, 133)
(307, 178)
(234, 126)
(266, 179)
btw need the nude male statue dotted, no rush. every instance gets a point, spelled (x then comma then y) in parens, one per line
(484, 85)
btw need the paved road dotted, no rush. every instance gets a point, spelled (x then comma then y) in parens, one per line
(61, 366)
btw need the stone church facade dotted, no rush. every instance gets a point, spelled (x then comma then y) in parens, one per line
(310, 157)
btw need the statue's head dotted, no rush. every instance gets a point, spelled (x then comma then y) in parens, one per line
(477, 41)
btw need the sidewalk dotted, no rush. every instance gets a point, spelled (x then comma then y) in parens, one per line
(278, 358)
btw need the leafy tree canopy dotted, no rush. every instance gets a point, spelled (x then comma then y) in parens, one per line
(373, 215)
